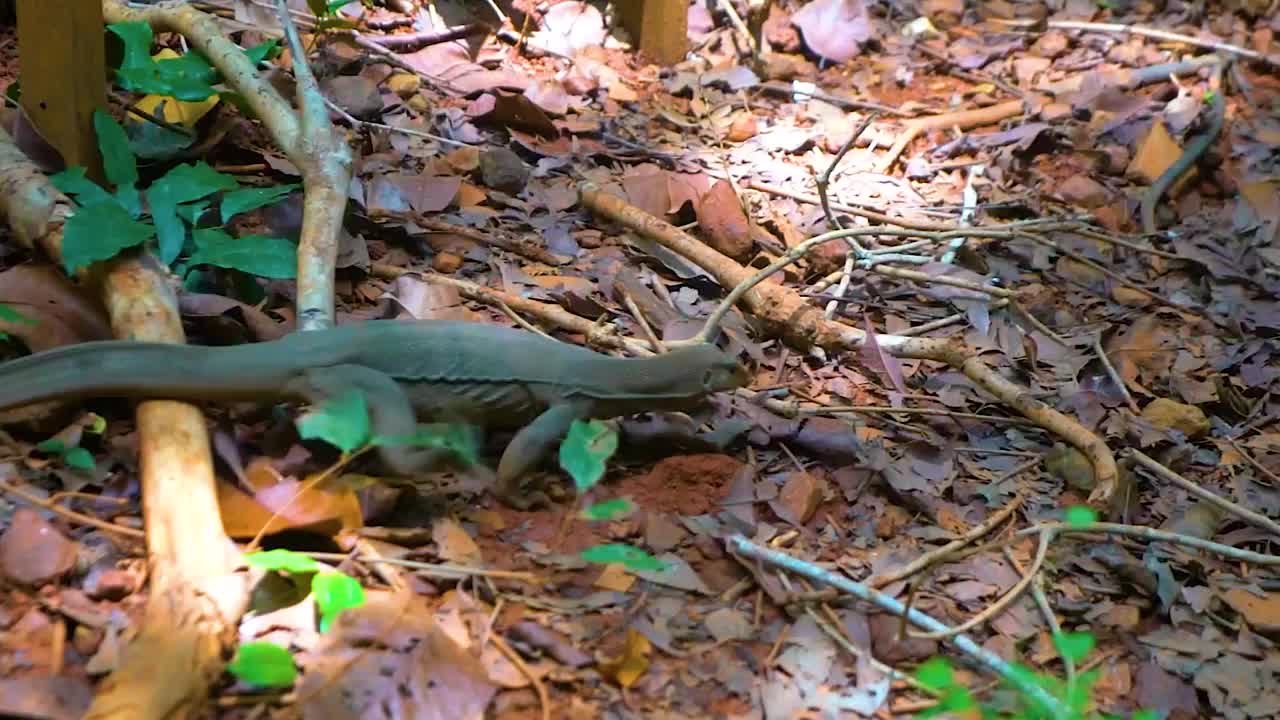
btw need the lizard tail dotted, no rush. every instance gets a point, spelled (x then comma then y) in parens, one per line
(122, 368)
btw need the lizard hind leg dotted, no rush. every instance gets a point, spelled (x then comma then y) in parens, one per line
(390, 412)
(529, 446)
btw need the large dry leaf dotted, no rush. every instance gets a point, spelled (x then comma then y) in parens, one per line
(61, 313)
(389, 659)
(835, 29)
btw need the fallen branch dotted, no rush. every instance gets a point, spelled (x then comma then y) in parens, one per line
(415, 41)
(786, 313)
(747, 549)
(911, 129)
(195, 597)
(1215, 45)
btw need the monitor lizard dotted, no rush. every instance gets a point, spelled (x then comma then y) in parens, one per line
(478, 373)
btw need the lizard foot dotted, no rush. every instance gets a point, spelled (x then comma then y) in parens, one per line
(535, 500)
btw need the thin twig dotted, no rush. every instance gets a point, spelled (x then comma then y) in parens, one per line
(544, 700)
(1274, 478)
(78, 517)
(938, 554)
(445, 570)
(1115, 376)
(1217, 501)
(645, 329)
(1000, 605)
(1215, 45)
(993, 662)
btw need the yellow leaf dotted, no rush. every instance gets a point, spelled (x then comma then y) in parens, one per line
(614, 577)
(176, 111)
(626, 670)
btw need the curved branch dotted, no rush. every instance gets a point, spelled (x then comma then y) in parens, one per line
(787, 314)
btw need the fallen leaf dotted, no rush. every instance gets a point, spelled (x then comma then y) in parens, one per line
(34, 552)
(799, 499)
(454, 544)
(722, 221)
(835, 29)
(1169, 414)
(627, 668)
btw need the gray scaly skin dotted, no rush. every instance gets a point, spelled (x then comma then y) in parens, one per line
(457, 371)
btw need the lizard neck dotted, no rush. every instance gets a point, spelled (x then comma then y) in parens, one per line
(672, 380)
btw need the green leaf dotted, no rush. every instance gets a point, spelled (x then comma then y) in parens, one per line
(192, 212)
(335, 592)
(79, 458)
(8, 314)
(1079, 516)
(257, 255)
(238, 201)
(100, 232)
(956, 699)
(343, 422)
(461, 439)
(319, 8)
(86, 192)
(936, 674)
(118, 162)
(263, 664)
(285, 561)
(609, 509)
(137, 38)
(585, 450)
(53, 446)
(262, 51)
(187, 77)
(1074, 646)
(150, 141)
(336, 5)
(183, 184)
(631, 557)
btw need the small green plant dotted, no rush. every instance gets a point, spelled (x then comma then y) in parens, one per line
(180, 220)
(9, 315)
(175, 212)
(264, 664)
(327, 15)
(268, 665)
(188, 77)
(343, 422)
(75, 457)
(584, 454)
(1073, 695)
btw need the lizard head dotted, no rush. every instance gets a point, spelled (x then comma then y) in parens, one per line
(720, 370)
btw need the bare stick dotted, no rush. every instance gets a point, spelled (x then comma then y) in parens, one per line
(1221, 503)
(993, 662)
(1215, 45)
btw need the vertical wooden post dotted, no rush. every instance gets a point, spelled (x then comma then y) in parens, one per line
(659, 27)
(62, 68)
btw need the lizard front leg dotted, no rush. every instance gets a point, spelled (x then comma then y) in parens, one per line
(390, 412)
(529, 446)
